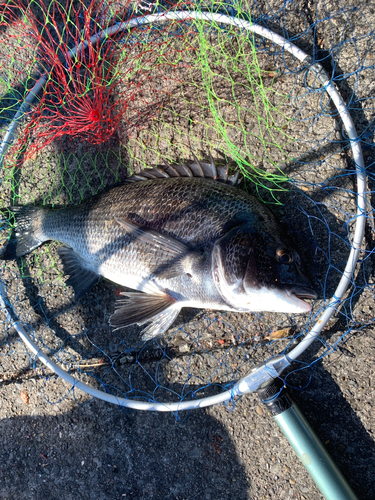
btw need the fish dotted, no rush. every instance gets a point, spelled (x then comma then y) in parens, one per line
(183, 235)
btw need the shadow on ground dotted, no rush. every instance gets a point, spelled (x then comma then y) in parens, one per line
(99, 452)
(342, 418)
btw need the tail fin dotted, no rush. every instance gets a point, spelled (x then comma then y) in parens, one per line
(27, 230)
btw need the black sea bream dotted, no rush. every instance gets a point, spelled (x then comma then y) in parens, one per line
(180, 238)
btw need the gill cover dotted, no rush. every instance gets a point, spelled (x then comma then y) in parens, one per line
(231, 256)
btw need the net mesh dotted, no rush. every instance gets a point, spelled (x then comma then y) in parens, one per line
(158, 93)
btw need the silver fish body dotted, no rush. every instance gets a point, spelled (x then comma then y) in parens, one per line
(182, 241)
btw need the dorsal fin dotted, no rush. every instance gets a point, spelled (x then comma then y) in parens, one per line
(222, 173)
(157, 172)
(183, 170)
(147, 173)
(209, 169)
(192, 168)
(171, 171)
(196, 168)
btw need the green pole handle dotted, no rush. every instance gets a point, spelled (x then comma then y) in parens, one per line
(313, 455)
(307, 445)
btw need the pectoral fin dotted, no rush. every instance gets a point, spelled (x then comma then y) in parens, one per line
(140, 308)
(171, 257)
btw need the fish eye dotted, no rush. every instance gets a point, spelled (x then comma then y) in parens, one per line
(284, 256)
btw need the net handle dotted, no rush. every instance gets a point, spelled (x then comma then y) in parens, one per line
(271, 368)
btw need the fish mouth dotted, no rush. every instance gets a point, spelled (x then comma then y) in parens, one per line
(303, 292)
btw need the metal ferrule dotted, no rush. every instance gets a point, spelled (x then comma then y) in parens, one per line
(261, 375)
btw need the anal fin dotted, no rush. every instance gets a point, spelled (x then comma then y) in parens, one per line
(140, 308)
(80, 278)
(160, 323)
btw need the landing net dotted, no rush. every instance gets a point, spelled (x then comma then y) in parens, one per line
(120, 85)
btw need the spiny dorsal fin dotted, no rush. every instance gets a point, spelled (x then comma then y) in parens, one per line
(222, 173)
(158, 172)
(171, 171)
(183, 170)
(192, 168)
(196, 168)
(209, 169)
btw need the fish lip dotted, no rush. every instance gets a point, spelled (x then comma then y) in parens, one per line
(303, 292)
